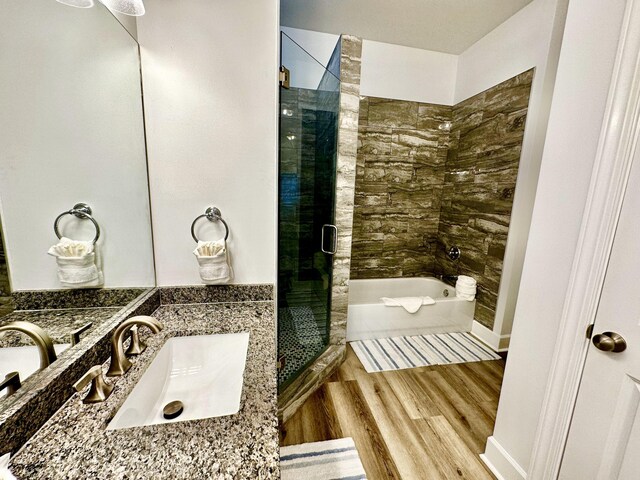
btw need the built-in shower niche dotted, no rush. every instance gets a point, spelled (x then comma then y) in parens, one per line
(431, 176)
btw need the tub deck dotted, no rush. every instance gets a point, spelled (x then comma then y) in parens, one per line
(369, 318)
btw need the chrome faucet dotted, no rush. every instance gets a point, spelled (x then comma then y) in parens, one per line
(119, 361)
(39, 336)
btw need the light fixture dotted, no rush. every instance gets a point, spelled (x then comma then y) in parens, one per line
(134, 8)
(77, 3)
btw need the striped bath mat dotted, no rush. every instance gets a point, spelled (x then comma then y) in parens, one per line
(397, 353)
(333, 459)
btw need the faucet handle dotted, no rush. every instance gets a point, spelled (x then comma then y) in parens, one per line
(137, 346)
(100, 389)
(74, 337)
(11, 382)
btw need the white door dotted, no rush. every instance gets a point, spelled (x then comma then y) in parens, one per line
(604, 438)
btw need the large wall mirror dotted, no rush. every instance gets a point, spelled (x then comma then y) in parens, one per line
(72, 132)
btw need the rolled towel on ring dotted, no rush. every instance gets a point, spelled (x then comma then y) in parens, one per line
(78, 262)
(213, 261)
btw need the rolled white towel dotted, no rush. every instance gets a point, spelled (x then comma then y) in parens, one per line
(214, 264)
(79, 265)
(466, 289)
(466, 296)
(410, 304)
(466, 280)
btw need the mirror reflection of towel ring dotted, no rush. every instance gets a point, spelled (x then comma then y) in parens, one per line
(213, 215)
(82, 211)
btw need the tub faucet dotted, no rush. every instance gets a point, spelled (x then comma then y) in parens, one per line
(119, 361)
(39, 336)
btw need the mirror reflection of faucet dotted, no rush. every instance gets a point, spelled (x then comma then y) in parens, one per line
(11, 382)
(45, 348)
(41, 338)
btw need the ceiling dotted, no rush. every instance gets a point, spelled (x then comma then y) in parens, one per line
(449, 26)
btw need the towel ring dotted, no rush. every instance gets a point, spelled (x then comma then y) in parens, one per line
(80, 210)
(213, 215)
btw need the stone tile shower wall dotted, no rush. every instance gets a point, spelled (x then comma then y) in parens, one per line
(350, 62)
(420, 189)
(480, 181)
(400, 173)
(297, 148)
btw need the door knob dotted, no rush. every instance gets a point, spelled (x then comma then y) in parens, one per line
(610, 342)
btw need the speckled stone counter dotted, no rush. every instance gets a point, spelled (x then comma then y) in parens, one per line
(57, 323)
(44, 392)
(78, 298)
(74, 444)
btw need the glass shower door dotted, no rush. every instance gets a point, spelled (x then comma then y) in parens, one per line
(306, 236)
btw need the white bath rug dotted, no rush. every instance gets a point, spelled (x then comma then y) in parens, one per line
(333, 459)
(398, 353)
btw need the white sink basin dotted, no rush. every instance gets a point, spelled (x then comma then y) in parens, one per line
(204, 372)
(24, 360)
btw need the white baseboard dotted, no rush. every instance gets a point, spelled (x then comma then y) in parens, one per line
(501, 464)
(499, 343)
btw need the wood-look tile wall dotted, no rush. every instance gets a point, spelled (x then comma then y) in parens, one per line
(399, 178)
(479, 185)
(420, 189)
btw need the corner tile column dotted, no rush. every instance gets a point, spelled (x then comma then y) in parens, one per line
(350, 61)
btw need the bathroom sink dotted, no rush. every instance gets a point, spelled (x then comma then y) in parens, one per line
(203, 372)
(24, 360)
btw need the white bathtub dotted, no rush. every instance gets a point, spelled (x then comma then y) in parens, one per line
(369, 318)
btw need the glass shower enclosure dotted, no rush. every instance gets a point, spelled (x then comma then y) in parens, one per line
(309, 102)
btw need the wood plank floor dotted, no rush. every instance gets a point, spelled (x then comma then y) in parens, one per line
(426, 423)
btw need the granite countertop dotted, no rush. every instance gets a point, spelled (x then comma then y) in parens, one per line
(57, 323)
(74, 444)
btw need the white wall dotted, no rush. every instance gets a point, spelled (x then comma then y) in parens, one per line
(388, 71)
(588, 51)
(405, 73)
(516, 45)
(71, 130)
(529, 39)
(210, 84)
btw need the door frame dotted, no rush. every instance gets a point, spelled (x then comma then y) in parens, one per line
(618, 144)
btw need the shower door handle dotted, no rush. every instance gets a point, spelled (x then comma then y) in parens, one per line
(334, 243)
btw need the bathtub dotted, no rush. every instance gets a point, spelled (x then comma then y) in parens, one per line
(369, 318)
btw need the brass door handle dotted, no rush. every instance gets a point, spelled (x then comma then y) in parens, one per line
(610, 342)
